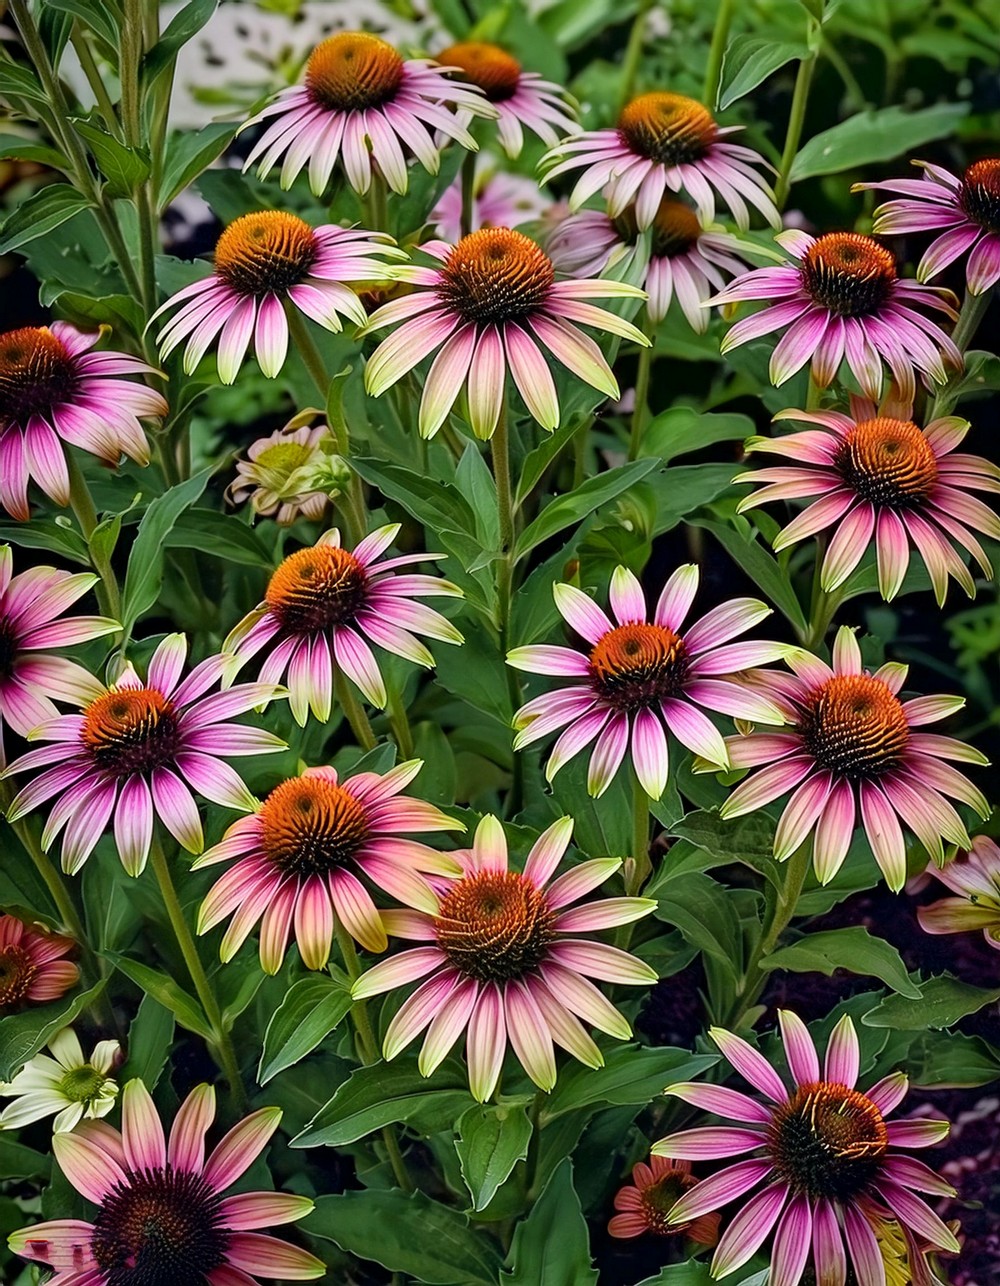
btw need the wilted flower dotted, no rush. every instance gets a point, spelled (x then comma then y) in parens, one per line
(32, 969)
(66, 1085)
(824, 1151)
(974, 876)
(55, 393)
(644, 1204)
(161, 1216)
(505, 962)
(278, 472)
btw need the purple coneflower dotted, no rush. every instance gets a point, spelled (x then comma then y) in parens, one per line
(688, 260)
(30, 604)
(264, 263)
(494, 305)
(641, 678)
(644, 1204)
(522, 99)
(298, 853)
(364, 105)
(32, 968)
(874, 474)
(665, 142)
(824, 1152)
(974, 876)
(161, 1217)
(136, 752)
(854, 747)
(273, 477)
(55, 393)
(503, 961)
(321, 605)
(499, 200)
(965, 210)
(843, 300)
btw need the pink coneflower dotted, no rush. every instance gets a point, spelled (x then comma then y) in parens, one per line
(55, 393)
(494, 305)
(30, 604)
(275, 477)
(136, 752)
(522, 99)
(965, 210)
(824, 1152)
(363, 104)
(499, 200)
(665, 142)
(853, 746)
(641, 678)
(32, 968)
(264, 263)
(974, 876)
(874, 475)
(844, 300)
(321, 605)
(161, 1217)
(299, 856)
(644, 1204)
(688, 260)
(505, 962)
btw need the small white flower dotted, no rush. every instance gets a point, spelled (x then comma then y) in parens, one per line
(67, 1085)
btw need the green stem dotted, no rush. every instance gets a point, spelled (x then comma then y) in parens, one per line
(641, 865)
(793, 134)
(972, 312)
(354, 712)
(500, 456)
(839, 63)
(175, 912)
(309, 353)
(781, 913)
(717, 52)
(823, 603)
(633, 52)
(78, 38)
(82, 504)
(400, 721)
(468, 192)
(641, 409)
(68, 915)
(378, 204)
(368, 1048)
(149, 245)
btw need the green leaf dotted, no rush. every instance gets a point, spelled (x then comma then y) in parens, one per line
(124, 167)
(168, 993)
(408, 1234)
(703, 911)
(747, 552)
(748, 839)
(384, 1094)
(870, 137)
(150, 1036)
(949, 1060)
(23, 1035)
(435, 503)
(220, 536)
(13, 146)
(98, 15)
(683, 429)
(552, 1246)
(573, 508)
(188, 154)
(144, 573)
(311, 1009)
(20, 1162)
(631, 1076)
(491, 1141)
(853, 949)
(941, 1002)
(40, 534)
(40, 214)
(750, 60)
(184, 26)
(20, 81)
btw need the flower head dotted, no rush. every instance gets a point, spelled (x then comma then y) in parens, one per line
(55, 393)
(825, 1153)
(640, 678)
(843, 300)
(32, 968)
(689, 260)
(974, 878)
(965, 211)
(278, 471)
(321, 605)
(503, 961)
(665, 142)
(644, 1204)
(30, 605)
(853, 746)
(162, 1219)
(136, 752)
(264, 263)
(299, 856)
(494, 305)
(874, 475)
(364, 105)
(499, 200)
(520, 98)
(66, 1085)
